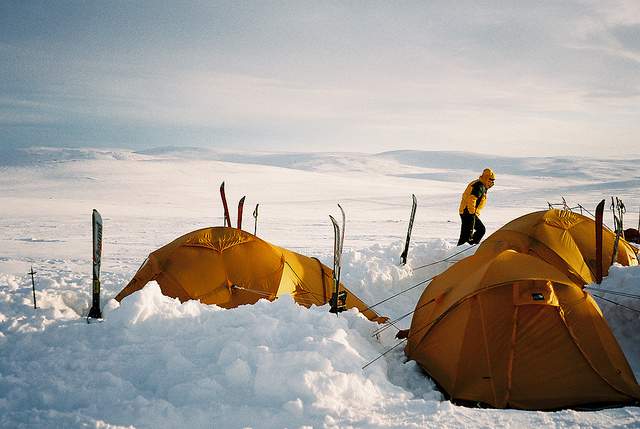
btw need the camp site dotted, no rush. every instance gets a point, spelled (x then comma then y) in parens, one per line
(324, 214)
(209, 325)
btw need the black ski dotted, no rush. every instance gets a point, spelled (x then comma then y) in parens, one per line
(599, 216)
(255, 220)
(227, 218)
(344, 220)
(414, 205)
(338, 298)
(240, 208)
(618, 210)
(94, 312)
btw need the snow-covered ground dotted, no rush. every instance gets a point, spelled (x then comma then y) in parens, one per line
(154, 362)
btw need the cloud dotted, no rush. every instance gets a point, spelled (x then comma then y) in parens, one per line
(420, 74)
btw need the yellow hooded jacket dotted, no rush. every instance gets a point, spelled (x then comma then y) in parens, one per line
(475, 195)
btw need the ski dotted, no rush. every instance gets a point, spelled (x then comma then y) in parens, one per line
(336, 246)
(227, 218)
(338, 298)
(599, 216)
(405, 252)
(94, 312)
(618, 210)
(255, 220)
(344, 219)
(240, 208)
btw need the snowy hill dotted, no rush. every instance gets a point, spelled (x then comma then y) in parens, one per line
(154, 362)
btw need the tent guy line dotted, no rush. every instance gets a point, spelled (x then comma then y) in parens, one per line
(613, 292)
(616, 303)
(447, 258)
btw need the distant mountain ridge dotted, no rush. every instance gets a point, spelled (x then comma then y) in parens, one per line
(427, 165)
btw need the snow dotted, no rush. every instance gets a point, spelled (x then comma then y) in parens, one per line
(154, 362)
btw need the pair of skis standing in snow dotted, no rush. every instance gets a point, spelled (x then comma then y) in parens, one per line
(227, 218)
(338, 298)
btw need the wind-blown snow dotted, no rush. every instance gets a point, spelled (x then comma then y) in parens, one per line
(155, 362)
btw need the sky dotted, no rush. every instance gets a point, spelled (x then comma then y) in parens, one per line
(539, 78)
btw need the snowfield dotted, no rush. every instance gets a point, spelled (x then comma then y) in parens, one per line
(156, 363)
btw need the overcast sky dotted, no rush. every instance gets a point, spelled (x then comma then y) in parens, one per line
(501, 77)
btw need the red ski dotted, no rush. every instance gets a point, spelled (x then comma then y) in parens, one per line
(240, 207)
(227, 218)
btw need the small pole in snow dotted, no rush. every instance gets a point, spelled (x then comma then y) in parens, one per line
(33, 286)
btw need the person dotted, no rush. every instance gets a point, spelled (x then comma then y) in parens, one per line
(473, 200)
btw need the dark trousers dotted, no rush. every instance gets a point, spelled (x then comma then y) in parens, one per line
(472, 229)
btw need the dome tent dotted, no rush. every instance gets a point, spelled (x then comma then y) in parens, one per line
(562, 238)
(512, 330)
(230, 267)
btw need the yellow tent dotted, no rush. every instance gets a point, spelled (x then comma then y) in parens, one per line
(562, 238)
(230, 267)
(511, 330)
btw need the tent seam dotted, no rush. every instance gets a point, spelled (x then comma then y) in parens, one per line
(486, 348)
(582, 352)
(512, 352)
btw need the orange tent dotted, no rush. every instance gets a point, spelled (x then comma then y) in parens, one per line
(230, 267)
(562, 238)
(511, 330)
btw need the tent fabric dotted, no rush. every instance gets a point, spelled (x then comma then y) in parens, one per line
(513, 331)
(563, 239)
(230, 267)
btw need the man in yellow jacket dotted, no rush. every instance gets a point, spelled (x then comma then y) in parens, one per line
(473, 200)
